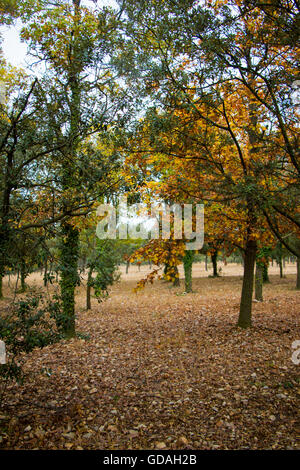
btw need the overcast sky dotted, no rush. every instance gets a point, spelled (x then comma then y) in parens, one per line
(14, 50)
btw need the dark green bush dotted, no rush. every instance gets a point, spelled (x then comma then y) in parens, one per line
(27, 324)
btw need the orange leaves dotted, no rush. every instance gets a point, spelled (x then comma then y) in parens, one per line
(160, 252)
(169, 369)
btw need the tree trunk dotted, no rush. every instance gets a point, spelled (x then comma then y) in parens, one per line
(259, 282)
(127, 266)
(173, 274)
(280, 268)
(188, 265)
(176, 282)
(214, 263)
(279, 259)
(298, 274)
(244, 320)
(166, 271)
(88, 289)
(23, 277)
(69, 252)
(3, 254)
(265, 273)
(45, 273)
(206, 263)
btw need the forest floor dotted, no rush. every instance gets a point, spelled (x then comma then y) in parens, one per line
(164, 370)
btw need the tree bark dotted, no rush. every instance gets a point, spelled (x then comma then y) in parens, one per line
(259, 282)
(176, 282)
(4, 238)
(45, 273)
(244, 320)
(265, 273)
(88, 289)
(298, 274)
(214, 263)
(69, 253)
(188, 266)
(23, 276)
(280, 268)
(279, 259)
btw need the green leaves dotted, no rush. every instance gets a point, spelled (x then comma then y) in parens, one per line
(104, 262)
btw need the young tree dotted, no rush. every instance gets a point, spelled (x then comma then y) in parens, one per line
(209, 68)
(79, 98)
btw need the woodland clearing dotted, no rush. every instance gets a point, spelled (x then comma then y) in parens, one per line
(161, 369)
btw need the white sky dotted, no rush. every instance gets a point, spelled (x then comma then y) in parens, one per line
(14, 50)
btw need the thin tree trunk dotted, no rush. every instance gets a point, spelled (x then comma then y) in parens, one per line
(265, 273)
(259, 282)
(45, 273)
(69, 253)
(206, 263)
(4, 237)
(280, 268)
(245, 315)
(298, 274)
(176, 282)
(127, 266)
(23, 277)
(88, 297)
(244, 320)
(188, 265)
(23, 284)
(214, 263)
(88, 289)
(279, 259)
(173, 273)
(166, 271)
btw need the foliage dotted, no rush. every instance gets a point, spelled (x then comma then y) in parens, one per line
(222, 127)
(27, 325)
(106, 266)
(155, 358)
